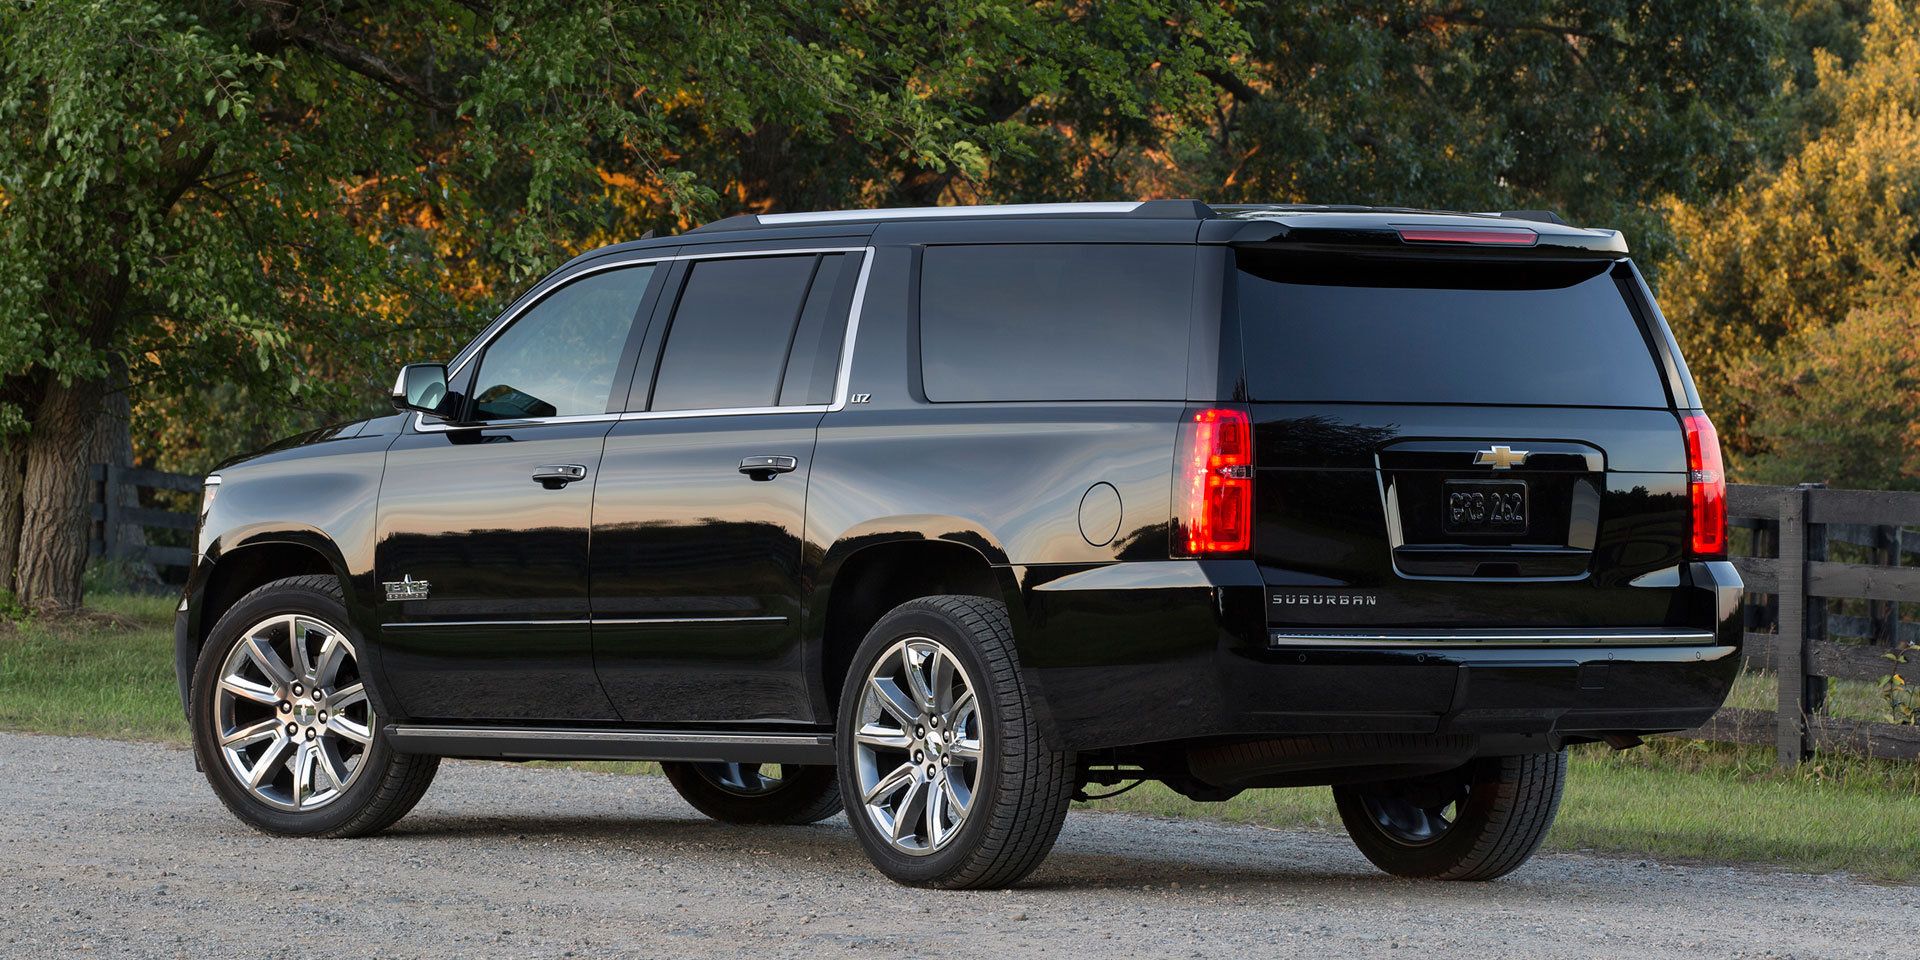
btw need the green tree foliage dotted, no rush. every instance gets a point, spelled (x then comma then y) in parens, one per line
(1596, 108)
(1827, 240)
(247, 213)
(254, 209)
(1840, 404)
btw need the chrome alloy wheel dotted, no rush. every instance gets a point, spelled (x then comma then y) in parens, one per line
(294, 719)
(919, 745)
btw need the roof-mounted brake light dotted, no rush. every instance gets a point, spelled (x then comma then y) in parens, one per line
(1502, 236)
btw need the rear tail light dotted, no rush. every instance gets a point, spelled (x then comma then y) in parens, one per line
(1214, 484)
(1505, 236)
(1707, 483)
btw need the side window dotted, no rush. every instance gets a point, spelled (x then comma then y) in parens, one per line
(754, 332)
(1055, 322)
(815, 357)
(560, 358)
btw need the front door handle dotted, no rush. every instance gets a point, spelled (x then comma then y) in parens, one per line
(764, 468)
(553, 476)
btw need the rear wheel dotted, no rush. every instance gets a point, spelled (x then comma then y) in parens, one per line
(947, 780)
(283, 723)
(757, 793)
(1476, 823)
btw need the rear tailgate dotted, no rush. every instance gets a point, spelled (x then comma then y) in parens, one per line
(1470, 447)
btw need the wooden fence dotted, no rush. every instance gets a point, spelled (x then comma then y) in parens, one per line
(1790, 626)
(111, 512)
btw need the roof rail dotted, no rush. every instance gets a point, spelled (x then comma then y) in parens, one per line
(1141, 209)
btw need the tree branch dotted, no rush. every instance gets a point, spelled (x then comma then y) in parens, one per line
(280, 25)
(1239, 88)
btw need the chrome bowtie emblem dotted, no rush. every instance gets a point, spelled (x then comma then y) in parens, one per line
(407, 588)
(1500, 458)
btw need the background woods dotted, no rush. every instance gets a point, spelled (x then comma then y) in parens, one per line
(222, 222)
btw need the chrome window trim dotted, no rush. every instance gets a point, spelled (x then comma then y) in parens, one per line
(935, 213)
(858, 306)
(844, 376)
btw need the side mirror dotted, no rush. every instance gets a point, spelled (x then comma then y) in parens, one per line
(421, 388)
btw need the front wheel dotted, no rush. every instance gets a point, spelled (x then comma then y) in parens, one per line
(283, 723)
(946, 778)
(1476, 823)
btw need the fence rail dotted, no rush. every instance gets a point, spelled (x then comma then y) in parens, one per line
(110, 514)
(1789, 625)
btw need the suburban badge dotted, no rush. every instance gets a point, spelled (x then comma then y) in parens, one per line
(1327, 599)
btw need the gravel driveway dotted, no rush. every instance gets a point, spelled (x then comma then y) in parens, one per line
(119, 849)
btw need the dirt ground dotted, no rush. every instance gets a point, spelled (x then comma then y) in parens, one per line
(112, 849)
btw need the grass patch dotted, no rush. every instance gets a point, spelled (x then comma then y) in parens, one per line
(1853, 699)
(1671, 799)
(110, 674)
(106, 673)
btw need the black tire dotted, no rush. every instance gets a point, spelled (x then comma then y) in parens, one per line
(1501, 809)
(385, 784)
(1021, 787)
(744, 794)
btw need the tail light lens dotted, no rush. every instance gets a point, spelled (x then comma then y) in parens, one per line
(1215, 482)
(1707, 483)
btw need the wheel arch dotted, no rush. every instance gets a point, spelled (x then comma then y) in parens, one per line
(234, 572)
(863, 579)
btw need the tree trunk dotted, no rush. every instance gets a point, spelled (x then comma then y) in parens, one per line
(13, 461)
(53, 536)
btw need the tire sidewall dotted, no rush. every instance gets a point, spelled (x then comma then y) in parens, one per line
(1487, 791)
(304, 600)
(892, 628)
(1426, 860)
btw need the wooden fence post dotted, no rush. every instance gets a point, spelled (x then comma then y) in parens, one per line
(112, 510)
(96, 510)
(1813, 688)
(1884, 615)
(1790, 649)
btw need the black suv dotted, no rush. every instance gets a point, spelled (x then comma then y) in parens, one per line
(950, 513)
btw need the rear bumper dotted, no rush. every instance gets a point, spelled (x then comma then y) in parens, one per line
(1154, 652)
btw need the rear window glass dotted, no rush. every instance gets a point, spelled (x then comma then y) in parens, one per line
(1435, 331)
(1055, 322)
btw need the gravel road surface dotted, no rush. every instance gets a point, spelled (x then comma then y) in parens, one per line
(111, 849)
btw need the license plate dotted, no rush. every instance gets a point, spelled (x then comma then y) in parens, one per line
(1485, 506)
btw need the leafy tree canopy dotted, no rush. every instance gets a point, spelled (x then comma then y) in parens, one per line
(267, 203)
(1831, 233)
(1596, 108)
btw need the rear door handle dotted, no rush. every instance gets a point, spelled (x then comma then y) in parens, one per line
(553, 476)
(764, 468)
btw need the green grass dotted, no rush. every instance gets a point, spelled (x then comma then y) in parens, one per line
(1673, 800)
(110, 674)
(107, 674)
(1845, 698)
